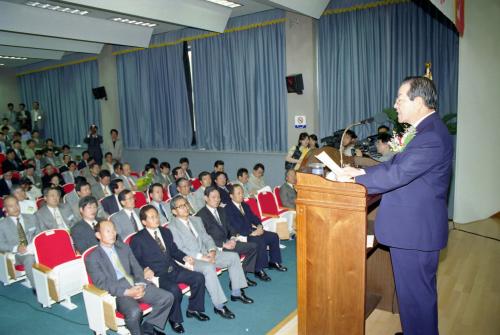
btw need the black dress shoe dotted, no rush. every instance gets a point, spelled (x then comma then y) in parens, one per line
(199, 315)
(277, 266)
(243, 298)
(251, 282)
(177, 327)
(162, 332)
(262, 276)
(224, 312)
(398, 333)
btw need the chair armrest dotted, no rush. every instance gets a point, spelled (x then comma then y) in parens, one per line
(270, 215)
(94, 290)
(42, 268)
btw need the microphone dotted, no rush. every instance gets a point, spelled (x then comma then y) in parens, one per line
(379, 118)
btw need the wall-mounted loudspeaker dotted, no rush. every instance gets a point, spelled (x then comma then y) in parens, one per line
(99, 93)
(294, 84)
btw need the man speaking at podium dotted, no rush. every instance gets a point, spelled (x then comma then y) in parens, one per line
(412, 218)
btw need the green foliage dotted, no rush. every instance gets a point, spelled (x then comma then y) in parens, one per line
(450, 120)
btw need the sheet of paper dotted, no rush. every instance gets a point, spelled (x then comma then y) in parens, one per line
(325, 159)
(369, 241)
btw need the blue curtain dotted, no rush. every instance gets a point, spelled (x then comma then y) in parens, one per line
(239, 87)
(153, 97)
(65, 96)
(363, 55)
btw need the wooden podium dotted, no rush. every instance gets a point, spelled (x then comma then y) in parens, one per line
(340, 280)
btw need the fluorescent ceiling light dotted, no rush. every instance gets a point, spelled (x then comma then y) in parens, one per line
(136, 22)
(2, 64)
(13, 57)
(229, 4)
(57, 8)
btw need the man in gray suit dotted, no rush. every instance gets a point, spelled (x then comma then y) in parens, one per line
(129, 181)
(101, 189)
(156, 193)
(184, 189)
(191, 237)
(82, 189)
(288, 194)
(164, 177)
(127, 220)
(113, 268)
(92, 174)
(199, 195)
(16, 233)
(54, 215)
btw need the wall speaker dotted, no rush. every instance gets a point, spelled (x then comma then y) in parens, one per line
(295, 84)
(99, 93)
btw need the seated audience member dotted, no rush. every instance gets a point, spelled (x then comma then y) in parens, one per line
(256, 180)
(218, 167)
(184, 164)
(224, 235)
(113, 267)
(242, 179)
(16, 146)
(164, 177)
(383, 147)
(32, 192)
(17, 231)
(102, 189)
(199, 195)
(117, 171)
(48, 174)
(154, 248)
(49, 144)
(348, 143)
(85, 160)
(313, 141)
(297, 152)
(184, 189)
(288, 194)
(383, 129)
(25, 134)
(29, 151)
(190, 237)
(72, 172)
(156, 193)
(7, 128)
(11, 163)
(50, 158)
(65, 161)
(54, 215)
(111, 204)
(56, 181)
(6, 183)
(178, 173)
(115, 146)
(127, 219)
(129, 181)
(220, 182)
(82, 190)
(35, 136)
(38, 162)
(26, 205)
(82, 232)
(31, 174)
(156, 164)
(3, 143)
(92, 175)
(66, 151)
(149, 170)
(246, 224)
(108, 162)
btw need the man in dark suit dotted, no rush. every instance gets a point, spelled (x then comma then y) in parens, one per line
(224, 235)
(184, 164)
(94, 141)
(178, 173)
(154, 248)
(113, 267)
(6, 183)
(11, 163)
(242, 219)
(82, 232)
(412, 218)
(111, 204)
(220, 182)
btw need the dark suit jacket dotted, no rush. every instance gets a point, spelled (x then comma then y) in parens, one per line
(83, 236)
(103, 274)
(220, 233)
(82, 165)
(414, 183)
(241, 223)
(4, 188)
(10, 166)
(148, 253)
(224, 195)
(94, 147)
(110, 204)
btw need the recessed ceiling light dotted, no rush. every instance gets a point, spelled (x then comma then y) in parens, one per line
(229, 4)
(57, 8)
(134, 22)
(13, 57)
(2, 64)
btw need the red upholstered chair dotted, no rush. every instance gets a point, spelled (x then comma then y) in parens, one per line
(40, 202)
(9, 272)
(16, 175)
(270, 222)
(195, 183)
(100, 307)
(67, 188)
(140, 199)
(135, 174)
(44, 170)
(58, 272)
(2, 158)
(278, 197)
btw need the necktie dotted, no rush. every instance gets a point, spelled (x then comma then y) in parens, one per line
(191, 229)
(191, 209)
(20, 233)
(130, 181)
(119, 266)
(217, 218)
(241, 210)
(162, 211)
(59, 219)
(158, 241)
(134, 223)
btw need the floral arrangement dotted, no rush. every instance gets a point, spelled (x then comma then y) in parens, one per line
(144, 182)
(399, 142)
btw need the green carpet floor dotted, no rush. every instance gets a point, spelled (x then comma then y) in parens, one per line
(21, 314)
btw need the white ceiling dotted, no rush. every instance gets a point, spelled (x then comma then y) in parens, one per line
(41, 34)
